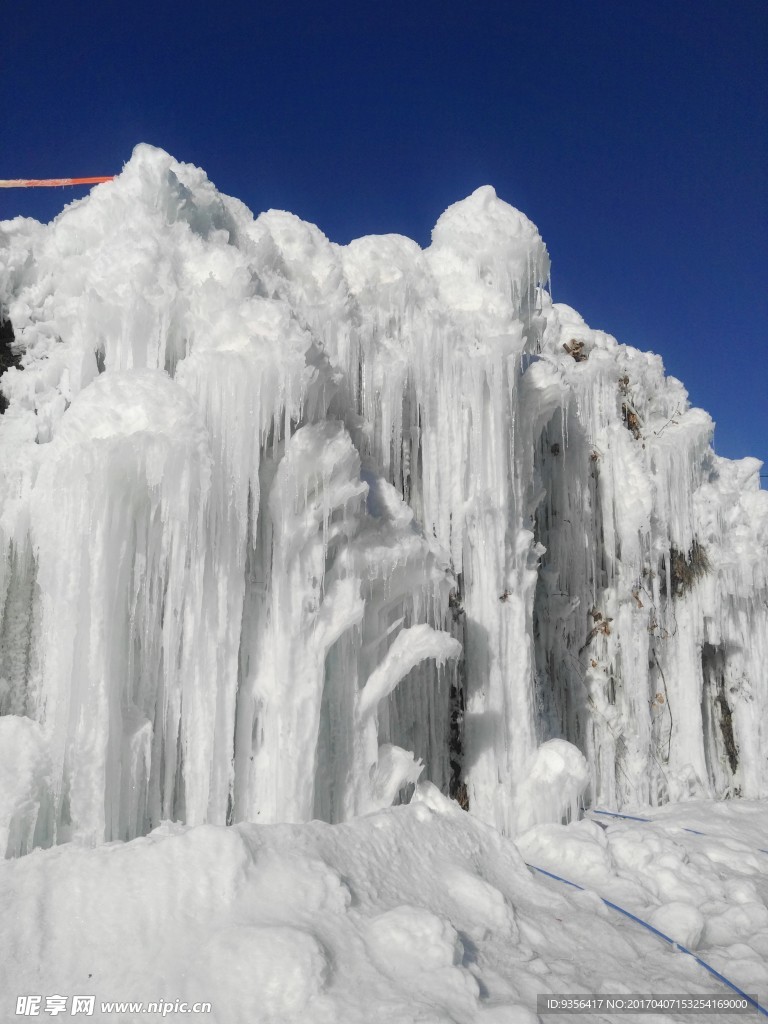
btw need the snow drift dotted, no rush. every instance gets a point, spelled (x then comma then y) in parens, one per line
(286, 526)
(411, 914)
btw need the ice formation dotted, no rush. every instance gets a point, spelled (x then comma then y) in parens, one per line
(286, 526)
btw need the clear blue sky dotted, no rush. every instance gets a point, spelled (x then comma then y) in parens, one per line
(635, 135)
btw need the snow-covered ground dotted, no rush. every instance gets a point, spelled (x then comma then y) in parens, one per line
(288, 529)
(416, 913)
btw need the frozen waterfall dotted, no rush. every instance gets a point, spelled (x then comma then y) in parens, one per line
(286, 526)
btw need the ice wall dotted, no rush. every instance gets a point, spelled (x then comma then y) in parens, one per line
(285, 525)
(650, 618)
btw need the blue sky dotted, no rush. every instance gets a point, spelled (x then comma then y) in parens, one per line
(635, 135)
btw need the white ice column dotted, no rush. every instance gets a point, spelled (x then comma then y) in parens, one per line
(117, 516)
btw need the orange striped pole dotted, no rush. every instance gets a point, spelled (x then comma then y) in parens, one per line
(50, 182)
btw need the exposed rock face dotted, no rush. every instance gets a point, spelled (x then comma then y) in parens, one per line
(8, 357)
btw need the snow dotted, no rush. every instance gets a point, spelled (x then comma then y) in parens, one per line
(705, 891)
(290, 531)
(412, 913)
(554, 785)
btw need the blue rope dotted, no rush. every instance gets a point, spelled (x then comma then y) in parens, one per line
(675, 945)
(614, 814)
(634, 817)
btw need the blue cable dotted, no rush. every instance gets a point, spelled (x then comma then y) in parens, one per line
(634, 817)
(675, 945)
(614, 814)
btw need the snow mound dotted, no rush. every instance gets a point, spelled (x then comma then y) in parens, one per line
(410, 914)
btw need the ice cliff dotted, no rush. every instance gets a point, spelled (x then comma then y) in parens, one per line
(286, 525)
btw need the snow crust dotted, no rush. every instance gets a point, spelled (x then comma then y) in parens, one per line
(696, 872)
(286, 526)
(417, 913)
